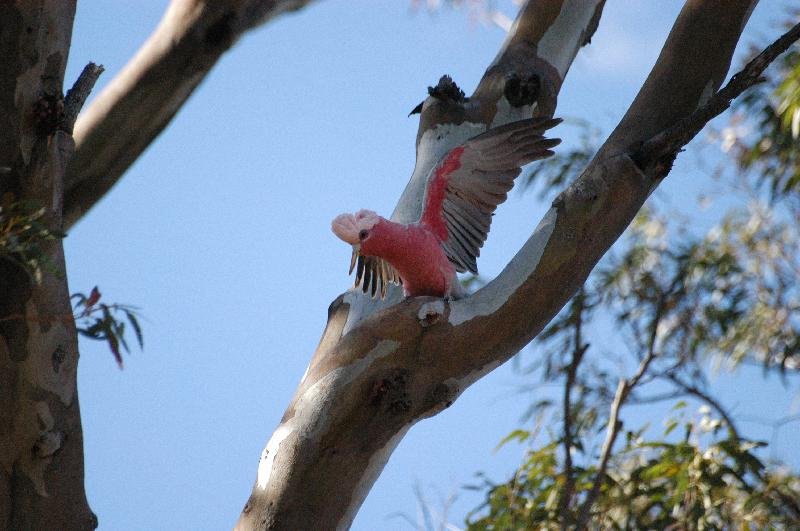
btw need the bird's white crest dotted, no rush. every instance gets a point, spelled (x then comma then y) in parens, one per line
(366, 219)
(347, 226)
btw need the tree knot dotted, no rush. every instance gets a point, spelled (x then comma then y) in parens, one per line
(48, 111)
(442, 395)
(47, 444)
(392, 391)
(520, 91)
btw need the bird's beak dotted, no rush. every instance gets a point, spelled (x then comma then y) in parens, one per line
(354, 257)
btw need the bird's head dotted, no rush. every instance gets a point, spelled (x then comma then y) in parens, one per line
(355, 228)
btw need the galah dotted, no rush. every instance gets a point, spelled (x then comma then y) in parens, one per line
(463, 190)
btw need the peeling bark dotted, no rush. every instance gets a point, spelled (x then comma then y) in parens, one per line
(41, 446)
(383, 366)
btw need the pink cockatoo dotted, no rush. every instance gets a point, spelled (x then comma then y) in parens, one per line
(463, 190)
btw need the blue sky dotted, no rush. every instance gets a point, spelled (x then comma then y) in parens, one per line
(220, 233)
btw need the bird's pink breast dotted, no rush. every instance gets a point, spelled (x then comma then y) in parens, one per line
(417, 255)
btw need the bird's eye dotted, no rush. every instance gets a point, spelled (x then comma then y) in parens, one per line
(363, 234)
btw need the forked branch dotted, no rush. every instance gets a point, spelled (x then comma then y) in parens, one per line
(364, 387)
(670, 141)
(142, 99)
(376, 373)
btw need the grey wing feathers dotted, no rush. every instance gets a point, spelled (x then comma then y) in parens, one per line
(373, 274)
(489, 164)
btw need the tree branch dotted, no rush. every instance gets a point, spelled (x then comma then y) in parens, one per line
(142, 99)
(613, 429)
(579, 349)
(591, 214)
(522, 81)
(670, 141)
(376, 373)
(370, 367)
(614, 426)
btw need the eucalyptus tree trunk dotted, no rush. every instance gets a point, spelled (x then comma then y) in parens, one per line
(380, 366)
(41, 443)
(41, 167)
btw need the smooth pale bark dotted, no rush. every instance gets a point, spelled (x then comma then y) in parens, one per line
(141, 101)
(377, 370)
(41, 444)
(304, 481)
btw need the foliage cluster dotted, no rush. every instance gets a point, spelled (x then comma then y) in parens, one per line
(684, 302)
(23, 231)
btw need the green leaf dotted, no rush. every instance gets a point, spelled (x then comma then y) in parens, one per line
(136, 328)
(518, 435)
(680, 404)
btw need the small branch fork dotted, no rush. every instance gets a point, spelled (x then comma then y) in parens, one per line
(624, 388)
(143, 98)
(579, 349)
(670, 141)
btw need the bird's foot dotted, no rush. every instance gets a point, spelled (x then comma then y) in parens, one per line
(430, 312)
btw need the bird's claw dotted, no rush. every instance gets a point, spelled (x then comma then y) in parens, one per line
(430, 312)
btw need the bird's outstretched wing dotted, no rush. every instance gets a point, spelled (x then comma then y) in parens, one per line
(373, 273)
(469, 182)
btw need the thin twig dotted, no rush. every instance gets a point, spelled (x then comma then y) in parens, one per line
(776, 424)
(772, 423)
(669, 141)
(613, 429)
(64, 318)
(653, 399)
(614, 423)
(77, 95)
(708, 399)
(572, 369)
